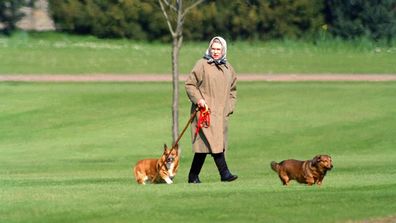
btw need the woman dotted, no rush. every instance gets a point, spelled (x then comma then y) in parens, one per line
(212, 85)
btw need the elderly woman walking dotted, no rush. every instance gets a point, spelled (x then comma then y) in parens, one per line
(211, 87)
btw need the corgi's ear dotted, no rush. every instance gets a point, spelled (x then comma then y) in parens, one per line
(176, 148)
(165, 147)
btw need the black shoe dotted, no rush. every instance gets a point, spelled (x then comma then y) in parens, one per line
(194, 180)
(229, 178)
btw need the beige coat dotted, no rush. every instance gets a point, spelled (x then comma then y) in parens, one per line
(216, 84)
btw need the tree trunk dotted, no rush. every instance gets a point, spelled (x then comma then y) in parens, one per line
(176, 31)
(176, 45)
(175, 94)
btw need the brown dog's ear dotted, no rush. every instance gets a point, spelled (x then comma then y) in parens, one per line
(316, 159)
(165, 147)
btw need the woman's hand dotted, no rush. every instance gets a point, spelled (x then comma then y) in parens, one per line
(201, 103)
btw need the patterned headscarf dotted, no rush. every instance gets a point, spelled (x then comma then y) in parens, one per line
(223, 59)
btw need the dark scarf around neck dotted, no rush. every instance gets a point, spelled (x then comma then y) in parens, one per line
(217, 62)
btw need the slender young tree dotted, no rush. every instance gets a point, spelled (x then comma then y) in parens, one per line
(174, 13)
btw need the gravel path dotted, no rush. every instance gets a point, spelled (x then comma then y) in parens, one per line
(165, 78)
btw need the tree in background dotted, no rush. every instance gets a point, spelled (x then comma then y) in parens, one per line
(10, 13)
(236, 19)
(255, 19)
(352, 19)
(175, 13)
(106, 19)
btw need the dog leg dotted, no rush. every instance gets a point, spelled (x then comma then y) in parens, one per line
(320, 179)
(310, 181)
(145, 180)
(168, 180)
(285, 180)
(284, 177)
(319, 182)
(142, 180)
(170, 170)
(140, 177)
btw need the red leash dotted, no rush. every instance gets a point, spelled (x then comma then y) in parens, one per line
(203, 119)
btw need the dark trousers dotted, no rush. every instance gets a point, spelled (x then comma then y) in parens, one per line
(198, 161)
(196, 166)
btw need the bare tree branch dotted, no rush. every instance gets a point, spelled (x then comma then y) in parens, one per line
(170, 5)
(191, 6)
(167, 17)
(180, 18)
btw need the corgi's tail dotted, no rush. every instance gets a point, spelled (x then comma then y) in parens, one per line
(135, 172)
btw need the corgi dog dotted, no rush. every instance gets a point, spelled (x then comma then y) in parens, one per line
(162, 170)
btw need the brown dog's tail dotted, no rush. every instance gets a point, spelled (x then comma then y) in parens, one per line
(275, 166)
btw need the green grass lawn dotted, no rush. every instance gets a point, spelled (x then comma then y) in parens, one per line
(52, 53)
(67, 151)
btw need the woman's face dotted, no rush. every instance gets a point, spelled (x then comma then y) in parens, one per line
(216, 51)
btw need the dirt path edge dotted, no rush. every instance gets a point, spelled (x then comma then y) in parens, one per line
(168, 77)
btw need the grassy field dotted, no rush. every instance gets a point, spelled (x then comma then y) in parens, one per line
(66, 152)
(51, 53)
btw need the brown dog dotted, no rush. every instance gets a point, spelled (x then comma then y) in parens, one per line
(308, 171)
(161, 170)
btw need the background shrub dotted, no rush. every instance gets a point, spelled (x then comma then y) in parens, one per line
(238, 19)
(352, 19)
